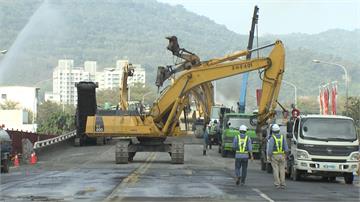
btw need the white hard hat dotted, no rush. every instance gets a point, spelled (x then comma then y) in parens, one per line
(243, 128)
(275, 128)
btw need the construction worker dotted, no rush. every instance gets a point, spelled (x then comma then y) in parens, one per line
(206, 138)
(276, 154)
(242, 146)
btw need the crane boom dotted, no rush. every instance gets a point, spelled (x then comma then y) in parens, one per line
(128, 70)
(245, 77)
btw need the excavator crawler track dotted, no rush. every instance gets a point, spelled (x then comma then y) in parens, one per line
(122, 152)
(177, 153)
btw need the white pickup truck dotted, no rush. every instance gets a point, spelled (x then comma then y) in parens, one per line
(323, 145)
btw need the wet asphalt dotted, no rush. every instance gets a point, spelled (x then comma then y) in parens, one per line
(90, 174)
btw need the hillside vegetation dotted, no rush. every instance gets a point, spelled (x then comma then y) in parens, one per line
(38, 33)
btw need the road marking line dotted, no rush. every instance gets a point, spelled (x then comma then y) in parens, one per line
(263, 195)
(131, 179)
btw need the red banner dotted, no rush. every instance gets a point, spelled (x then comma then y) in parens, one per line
(326, 101)
(321, 101)
(333, 98)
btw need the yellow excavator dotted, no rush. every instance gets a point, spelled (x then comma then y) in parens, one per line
(128, 70)
(151, 130)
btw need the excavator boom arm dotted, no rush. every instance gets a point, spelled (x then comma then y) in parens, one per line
(218, 69)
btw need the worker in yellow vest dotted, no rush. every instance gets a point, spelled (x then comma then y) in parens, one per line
(276, 150)
(242, 146)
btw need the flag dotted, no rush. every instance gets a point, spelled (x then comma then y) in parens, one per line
(326, 100)
(320, 101)
(333, 98)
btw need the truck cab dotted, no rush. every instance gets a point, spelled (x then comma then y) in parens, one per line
(231, 124)
(216, 119)
(323, 145)
(5, 147)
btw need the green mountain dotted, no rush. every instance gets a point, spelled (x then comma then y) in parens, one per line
(38, 33)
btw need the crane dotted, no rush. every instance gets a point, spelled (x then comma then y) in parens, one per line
(245, 76)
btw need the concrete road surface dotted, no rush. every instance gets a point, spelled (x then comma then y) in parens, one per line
(90, 174)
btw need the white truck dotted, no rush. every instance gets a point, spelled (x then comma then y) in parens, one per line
(323, 145)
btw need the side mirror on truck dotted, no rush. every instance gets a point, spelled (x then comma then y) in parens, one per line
(264, 133)
(289, 126)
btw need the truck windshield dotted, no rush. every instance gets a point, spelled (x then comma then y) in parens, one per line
(328, 129)
(237, 122)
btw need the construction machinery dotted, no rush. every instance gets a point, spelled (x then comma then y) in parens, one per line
(148, 132)
(216, 123)
(128, 70)
(231, 124)
(87, 106)
(5, 150)
(245, 76)
(203, 94)
(203, 97)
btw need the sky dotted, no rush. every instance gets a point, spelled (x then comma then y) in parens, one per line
(278, 16)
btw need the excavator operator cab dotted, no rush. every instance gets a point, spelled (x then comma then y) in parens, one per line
(131, 70)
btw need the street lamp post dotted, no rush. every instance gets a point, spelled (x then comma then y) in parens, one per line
(143, 97)
(295, 91)
(346, 78)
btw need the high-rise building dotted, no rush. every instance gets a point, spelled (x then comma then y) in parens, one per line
(66, 75)
(138, 77)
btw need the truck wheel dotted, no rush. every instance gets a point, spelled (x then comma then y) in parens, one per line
(177, 152)
(223, 152)
(121, 152)
(256, 155)
(269, 168)
(263, 165)
(332, 179)
(349, 178)
(77, 142)
(100, 140)
(131, 156)
(295, 174)
(5, 168)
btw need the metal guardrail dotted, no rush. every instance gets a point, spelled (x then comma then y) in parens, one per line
(48, 142)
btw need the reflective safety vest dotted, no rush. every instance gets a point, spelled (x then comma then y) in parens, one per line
(278, 145)
(242, 142)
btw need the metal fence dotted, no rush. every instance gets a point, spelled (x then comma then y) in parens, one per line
(17, 136)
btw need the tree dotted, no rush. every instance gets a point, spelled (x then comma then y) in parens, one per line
(110, 96)
(30, 116)
(55, 119)
(353, 110)
(9, 105)
(137, 92)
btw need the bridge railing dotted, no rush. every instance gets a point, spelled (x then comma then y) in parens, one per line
(51, 141)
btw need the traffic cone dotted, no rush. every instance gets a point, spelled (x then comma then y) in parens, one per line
(16, 161)
(33, 158)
